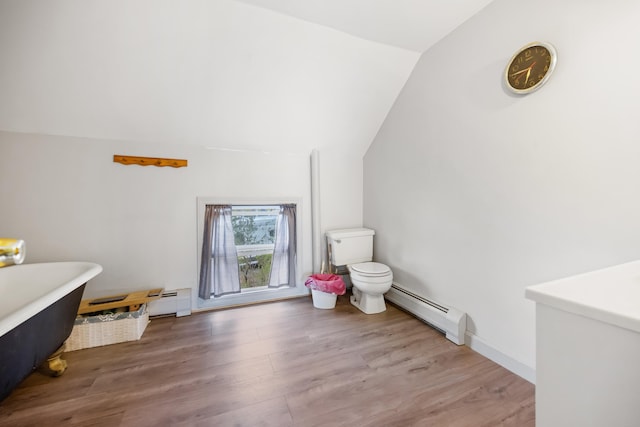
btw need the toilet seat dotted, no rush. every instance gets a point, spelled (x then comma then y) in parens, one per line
(370, 269)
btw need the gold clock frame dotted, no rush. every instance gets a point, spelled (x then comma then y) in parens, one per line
(552, 53)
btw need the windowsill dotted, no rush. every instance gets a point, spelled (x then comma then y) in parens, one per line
(262, 294)
(259, 289)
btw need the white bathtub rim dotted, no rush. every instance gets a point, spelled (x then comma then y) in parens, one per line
(17, 315)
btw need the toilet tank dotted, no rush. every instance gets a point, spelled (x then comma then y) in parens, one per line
(350, 246)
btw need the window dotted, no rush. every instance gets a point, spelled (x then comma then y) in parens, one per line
(254, 231)
(247, 248)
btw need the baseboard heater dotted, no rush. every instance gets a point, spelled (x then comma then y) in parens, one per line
(449, 320)
(176, 302)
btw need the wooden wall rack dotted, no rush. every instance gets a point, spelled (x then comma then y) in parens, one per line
(149, 161)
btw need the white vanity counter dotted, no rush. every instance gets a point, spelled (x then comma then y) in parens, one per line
(588, 348)
(610, 295)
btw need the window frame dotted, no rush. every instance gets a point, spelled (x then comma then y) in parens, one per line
(261, 295)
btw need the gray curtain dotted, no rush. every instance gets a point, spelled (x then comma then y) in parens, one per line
(283, 265)
(219, 264)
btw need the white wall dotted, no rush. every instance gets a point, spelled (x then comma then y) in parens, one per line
(69, 201)
(84, 80)
(476, 193)
(215, 73)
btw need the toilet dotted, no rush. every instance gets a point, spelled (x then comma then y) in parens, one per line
(353, 247)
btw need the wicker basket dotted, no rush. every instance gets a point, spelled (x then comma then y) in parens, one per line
(95, 331)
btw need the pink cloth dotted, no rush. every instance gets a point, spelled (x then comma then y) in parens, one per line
(329, 283)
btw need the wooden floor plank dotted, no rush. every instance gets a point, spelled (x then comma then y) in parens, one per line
(278, 364)
(267, 413)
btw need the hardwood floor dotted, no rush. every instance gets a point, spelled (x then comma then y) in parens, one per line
(277, 364)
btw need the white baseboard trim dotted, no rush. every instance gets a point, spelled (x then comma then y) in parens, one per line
(480, 346)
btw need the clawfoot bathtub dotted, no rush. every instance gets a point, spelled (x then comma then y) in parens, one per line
(38, 306)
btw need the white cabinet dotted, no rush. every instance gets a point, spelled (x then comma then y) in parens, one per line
(588, 349)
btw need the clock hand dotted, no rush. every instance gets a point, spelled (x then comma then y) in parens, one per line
(529, 72)
(528, 69)
(519, 72)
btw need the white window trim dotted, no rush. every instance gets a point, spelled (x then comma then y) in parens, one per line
(253, 296)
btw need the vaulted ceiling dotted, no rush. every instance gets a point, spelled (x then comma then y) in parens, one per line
(409, 24)
(270, 75)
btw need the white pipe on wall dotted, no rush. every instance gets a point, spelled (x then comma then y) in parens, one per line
(316, 234)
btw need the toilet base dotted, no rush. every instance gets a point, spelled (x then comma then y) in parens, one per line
(368, 304)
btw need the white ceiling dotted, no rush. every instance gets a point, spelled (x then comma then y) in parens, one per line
(409, 24)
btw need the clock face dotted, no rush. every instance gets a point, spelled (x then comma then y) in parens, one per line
(530, 67)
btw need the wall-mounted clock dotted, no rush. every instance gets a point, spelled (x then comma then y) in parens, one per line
(530, 67)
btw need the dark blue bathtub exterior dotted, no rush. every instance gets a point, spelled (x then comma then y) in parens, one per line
(29, 344)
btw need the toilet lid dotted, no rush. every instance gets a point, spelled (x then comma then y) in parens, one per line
(371, 269)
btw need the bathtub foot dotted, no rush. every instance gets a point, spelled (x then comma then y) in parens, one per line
(55, 365)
